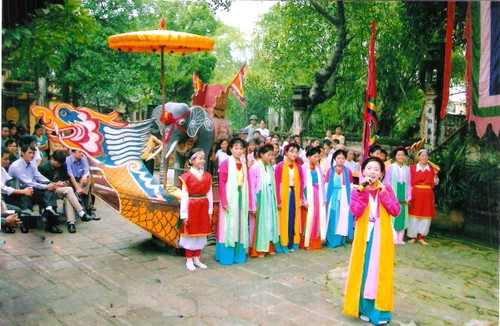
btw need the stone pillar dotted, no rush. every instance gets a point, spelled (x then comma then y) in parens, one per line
(297, 122)
(429, 119)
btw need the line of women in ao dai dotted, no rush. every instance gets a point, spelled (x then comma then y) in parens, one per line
(262, 205)
(339, 218)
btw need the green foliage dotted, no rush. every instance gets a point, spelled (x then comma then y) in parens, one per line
(294, 42)
(70, 43)
(452, 188)
(483, 184)
(41, 47)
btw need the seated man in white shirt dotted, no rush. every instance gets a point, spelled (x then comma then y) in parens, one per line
(25, 171)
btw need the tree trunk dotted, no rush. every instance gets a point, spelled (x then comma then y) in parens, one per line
(325, 81)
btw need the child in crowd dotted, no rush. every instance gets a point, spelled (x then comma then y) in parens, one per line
(326, 159)
(195, 209)
(221, 153)
(350, 162)
(399, 178)
(252, 145)
(383, 155)
(369, 291)
(289, 195)
(232, 227)
(262, 204)
(375, 151)
(314, 225)
(338, 196)
(328, 135)
(278, 157)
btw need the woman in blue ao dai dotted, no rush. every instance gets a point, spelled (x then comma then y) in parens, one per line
(338, 196)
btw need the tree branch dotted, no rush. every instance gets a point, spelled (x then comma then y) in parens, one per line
(317, 94)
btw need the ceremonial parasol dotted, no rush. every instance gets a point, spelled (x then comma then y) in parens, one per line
(161, 41)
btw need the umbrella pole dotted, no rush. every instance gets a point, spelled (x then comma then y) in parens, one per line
(164, 146)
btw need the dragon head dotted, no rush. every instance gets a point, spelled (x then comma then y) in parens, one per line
(77, 128)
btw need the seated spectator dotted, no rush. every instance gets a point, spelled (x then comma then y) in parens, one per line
(13, 131)
(25, 171)
(55, 145)
(9, 220)
(22, 131)
(10, 194)
(55, 170)
(5, 133)
(30, 141)
(79, 177)
(12, 150)
(41, 141)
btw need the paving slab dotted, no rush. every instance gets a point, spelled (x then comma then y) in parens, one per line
(111, 272)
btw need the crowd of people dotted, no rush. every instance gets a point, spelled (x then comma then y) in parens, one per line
(34, 172)
(278, 197)
(274, 197)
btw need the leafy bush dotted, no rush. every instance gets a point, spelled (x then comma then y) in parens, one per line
(452, 188)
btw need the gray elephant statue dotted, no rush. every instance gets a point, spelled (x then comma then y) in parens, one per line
(185, 128)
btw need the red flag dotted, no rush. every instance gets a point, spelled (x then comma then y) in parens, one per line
(447, 57)
(237, 85)
(370, 114)
(197, 84)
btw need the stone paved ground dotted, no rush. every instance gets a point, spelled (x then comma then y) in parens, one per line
(112, 272)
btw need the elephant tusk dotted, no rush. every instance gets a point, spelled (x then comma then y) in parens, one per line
(158, 151)
(171, 149)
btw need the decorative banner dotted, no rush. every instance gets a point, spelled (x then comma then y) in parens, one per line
(370, 114)
(197, 84)
(237, 85)
(450, 21)
(483, 65)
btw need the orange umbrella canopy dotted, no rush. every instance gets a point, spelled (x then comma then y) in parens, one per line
(155, 40)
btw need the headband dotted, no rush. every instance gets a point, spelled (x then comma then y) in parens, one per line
(421, 151)
(195, 155)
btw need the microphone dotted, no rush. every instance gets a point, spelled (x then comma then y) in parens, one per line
(365, 184)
